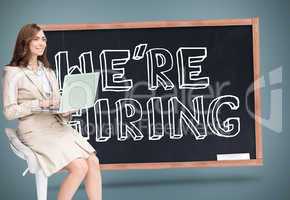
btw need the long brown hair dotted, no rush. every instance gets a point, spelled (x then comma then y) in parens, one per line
(21, 54)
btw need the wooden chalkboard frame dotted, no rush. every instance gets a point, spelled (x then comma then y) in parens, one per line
(254, 22)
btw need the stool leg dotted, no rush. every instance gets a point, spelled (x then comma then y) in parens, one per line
(41, 185)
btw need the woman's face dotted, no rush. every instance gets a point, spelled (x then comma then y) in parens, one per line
(38, 44)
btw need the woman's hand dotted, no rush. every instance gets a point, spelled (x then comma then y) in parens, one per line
(65, 114)
(49, 103)
(54, 103)
(68, 113)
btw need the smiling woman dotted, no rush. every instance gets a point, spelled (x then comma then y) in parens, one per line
(38, 44)
(30, 83)
(27, 46)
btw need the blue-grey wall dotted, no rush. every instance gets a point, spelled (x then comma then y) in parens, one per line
(269, 182)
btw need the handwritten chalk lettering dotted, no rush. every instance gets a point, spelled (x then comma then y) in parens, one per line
(86, 62)
(129, 112)
(159, 61)
(139, 52)
(192, 121)
(155, 113)
(61, 59)
(112, 61)
(231, 126)
(102, 106)
(126, 117)
(189, 68)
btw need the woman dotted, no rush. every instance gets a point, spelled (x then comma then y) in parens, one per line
(30, 84)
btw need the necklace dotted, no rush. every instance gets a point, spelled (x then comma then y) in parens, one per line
(38, 71)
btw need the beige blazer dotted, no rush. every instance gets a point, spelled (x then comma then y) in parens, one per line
(54, 142)
(22, 91)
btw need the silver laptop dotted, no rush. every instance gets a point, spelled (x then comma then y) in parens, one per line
(79, 91)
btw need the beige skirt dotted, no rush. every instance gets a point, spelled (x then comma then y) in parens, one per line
(56, 146)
